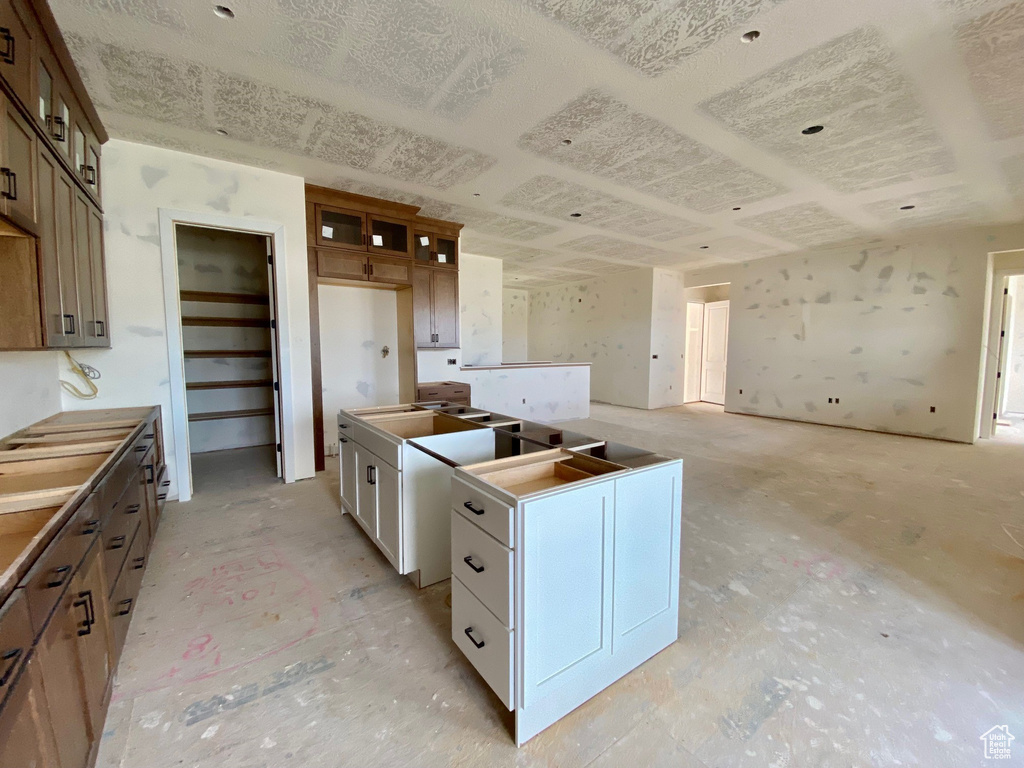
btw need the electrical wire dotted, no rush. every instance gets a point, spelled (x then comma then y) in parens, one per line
(87, 373)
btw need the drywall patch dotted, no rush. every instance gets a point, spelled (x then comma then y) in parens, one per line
(651, 37)
(612, 140)
(558, 198)
(887, 139)
(151, 175)
(804, 224)
(991, 48)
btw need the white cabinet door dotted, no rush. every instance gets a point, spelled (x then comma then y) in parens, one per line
(388, 482)
(716, 341)
(366, 491)
(349, 473)
(567, 589)
(647, 514)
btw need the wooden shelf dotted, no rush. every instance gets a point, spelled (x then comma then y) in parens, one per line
(224, 298)
(229, 384)
(227, 322)
(208, 353)
(218, 415)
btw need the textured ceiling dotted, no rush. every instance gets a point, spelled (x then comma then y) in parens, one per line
(684, 142)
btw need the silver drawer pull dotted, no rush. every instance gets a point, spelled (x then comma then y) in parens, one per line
(469, 631)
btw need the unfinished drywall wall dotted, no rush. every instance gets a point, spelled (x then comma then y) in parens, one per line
(891, 330)
(668, 340)
(515, 311)
(356, 324)
(1013, 401)
(480, 309)
(605, 321)
(139, 180)
(29, 383)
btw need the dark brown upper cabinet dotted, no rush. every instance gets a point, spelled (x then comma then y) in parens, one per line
(389, 237)
(435, 308)
(436, 243)
(52, 282)
(340, 228)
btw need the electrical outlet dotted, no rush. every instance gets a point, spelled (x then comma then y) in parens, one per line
(933, 409)
(830, 401)
(837, 401)
(524, 401)
(452, 361)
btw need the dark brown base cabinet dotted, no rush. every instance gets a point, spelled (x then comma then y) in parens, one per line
(52, 285)
(65, 613)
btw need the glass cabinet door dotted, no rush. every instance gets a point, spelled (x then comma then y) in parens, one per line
(422, 250)
(391, 237)
(79, 149)
(45, 96)
(447, 251)
(341, 228)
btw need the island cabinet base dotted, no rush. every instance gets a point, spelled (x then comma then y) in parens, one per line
(594, 590)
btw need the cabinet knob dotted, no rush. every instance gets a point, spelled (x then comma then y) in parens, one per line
(469, 634)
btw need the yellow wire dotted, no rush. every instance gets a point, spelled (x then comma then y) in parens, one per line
(72, 389)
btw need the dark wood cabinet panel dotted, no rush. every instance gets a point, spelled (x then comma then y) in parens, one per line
(19, 48)
(18, 171)
(57, 651)
(101, 328)
(436, 307)
(83, 271)
(93, 637)
(26, 734)
(446, 308)
(340, 265)
(422, 320)
(49, 263)
(64, 218)
(391, 271)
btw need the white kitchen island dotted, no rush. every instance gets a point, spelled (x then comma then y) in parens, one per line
(565, 575)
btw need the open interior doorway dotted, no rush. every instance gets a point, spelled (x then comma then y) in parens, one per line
(230, 355)
(1009, 397)
(707, 339)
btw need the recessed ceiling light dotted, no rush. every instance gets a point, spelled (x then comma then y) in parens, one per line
(221, 132)
(751, 36)
(812, 130)
(567, 142)
(575, 215)
(223, 11)
(476, 194)
(906, 207)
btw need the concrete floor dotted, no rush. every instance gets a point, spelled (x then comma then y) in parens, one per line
(848, 599)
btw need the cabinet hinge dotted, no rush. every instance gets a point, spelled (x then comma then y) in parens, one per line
(270, 259)
(273, 324)
(278, 447)
(277, 386)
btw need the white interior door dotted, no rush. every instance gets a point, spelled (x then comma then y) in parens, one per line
(715, 346)
(694, 350)
(275, 369)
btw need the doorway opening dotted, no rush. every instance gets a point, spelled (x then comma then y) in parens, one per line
(1009, 396)
(707, 340)
(230, 356)
(1001, 413)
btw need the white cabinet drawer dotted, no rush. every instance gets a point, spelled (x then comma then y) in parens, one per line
(484, 641)
(489, 513)
(386, 447)
(484, 566)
